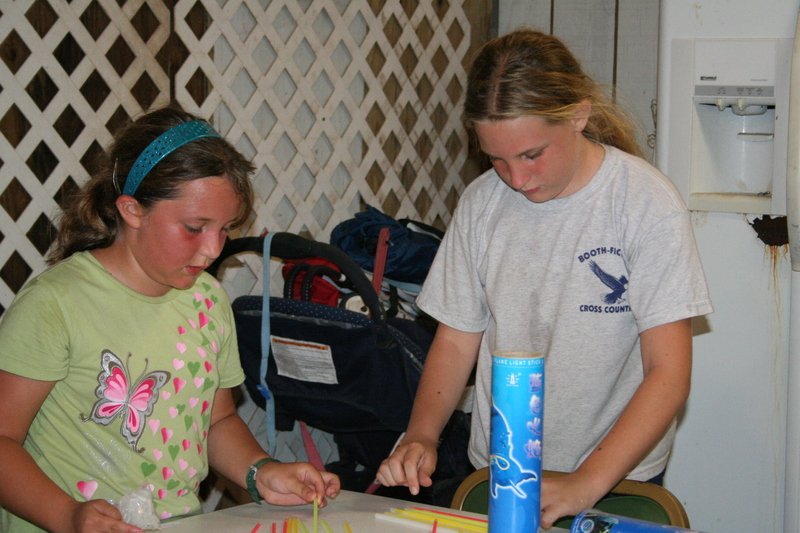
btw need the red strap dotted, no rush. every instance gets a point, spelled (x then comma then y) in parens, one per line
(311, 448)
(380, 259)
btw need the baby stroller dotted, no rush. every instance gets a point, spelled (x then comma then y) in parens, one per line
(349, 373)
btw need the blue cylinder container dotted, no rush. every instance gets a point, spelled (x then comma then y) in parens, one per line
(515, 447)
(594, 521)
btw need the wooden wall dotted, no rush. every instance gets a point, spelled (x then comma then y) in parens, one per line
(615, 40)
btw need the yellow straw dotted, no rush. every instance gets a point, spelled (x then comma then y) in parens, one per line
(325, 526)
(431, 516)
(455, 523)
(347, 528)
(416, 522)
(302, 525)
(316, 513)
(445, 516)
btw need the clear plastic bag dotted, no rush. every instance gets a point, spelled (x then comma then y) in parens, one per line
(138, 510)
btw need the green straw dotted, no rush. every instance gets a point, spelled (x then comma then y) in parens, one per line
(326, 527)
(316, 513)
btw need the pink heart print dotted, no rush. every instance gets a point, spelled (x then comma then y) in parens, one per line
(87, 488)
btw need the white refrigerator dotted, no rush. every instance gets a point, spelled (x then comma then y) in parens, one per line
(724, 137)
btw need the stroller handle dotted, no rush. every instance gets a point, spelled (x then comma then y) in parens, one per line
(294, 247)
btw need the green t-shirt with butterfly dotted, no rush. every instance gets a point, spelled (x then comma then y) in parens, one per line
(135, 382)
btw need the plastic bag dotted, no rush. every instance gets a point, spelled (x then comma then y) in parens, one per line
(137, 509)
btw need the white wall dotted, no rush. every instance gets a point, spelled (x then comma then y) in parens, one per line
(615, 40)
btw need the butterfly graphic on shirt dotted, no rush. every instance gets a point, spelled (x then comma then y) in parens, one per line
(118, 398)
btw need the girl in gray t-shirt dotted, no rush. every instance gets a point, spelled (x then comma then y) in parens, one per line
(572, 246)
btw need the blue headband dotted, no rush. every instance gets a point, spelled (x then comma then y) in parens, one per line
(163, 145)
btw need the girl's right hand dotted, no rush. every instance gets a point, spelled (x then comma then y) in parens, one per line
(296, 484)
(411, 465)
(99, 516)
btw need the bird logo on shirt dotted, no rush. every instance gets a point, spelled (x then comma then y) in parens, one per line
(618, 286)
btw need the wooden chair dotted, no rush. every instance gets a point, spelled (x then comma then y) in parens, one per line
(632, 499)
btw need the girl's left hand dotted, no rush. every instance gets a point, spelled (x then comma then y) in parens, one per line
(566, 495)
(296, 484)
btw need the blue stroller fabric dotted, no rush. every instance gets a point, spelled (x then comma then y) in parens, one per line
(377, 361)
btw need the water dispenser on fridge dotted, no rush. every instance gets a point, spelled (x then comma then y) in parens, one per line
(728, 124)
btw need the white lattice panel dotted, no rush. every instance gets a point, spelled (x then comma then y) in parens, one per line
(60, 95)
(335, 103)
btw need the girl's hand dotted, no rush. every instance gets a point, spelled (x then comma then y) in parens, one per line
(99, 516)
(566, 495)
(295, 484)
(411, 465)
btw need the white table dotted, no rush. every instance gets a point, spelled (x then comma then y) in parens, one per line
(355, 508)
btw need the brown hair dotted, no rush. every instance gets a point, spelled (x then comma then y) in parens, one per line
(92, 220)
(529, 73)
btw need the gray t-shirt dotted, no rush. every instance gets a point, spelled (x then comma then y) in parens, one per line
(576, 278)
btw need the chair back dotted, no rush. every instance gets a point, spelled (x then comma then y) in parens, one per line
(632, 499)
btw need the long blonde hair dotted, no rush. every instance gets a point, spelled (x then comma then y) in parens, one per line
(529, 73)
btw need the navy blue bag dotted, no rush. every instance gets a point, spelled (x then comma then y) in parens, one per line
(413, 245)
(347, 373)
